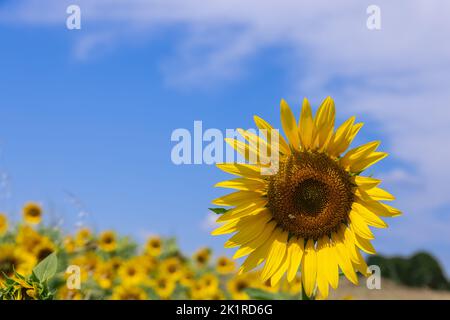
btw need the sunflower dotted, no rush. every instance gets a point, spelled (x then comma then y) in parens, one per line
(188, 278)
(3, 224)
(107, 241)
(153, 247)
(64, 293)
(128, 293)
(83, 237)
(28, 238)
(32, 213)
(236, 286)
(15, 259)
(224, 265)
(69, 244)
(172, 268)
(314, 211)
(87, 262)
(132, 273)
(105, 274)
(44, 249)
(210, 284)
(201, 257)
(164, 286)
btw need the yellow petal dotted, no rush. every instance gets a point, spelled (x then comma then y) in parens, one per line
(340, 140)
(359, 226)
(295, 252)
(306, 125)
(380, 194)
(266, 129)
(244, 210)
(368, 216)
(366, 183)
(226, 228)
(364, 244)
(324, 123)
(309, 268)
(249, 153)
(289, 125)
(361, 265)
(344, 261)
(280, 272)
(237, 198)
(257, 143)
(389, 211)
(248, 229)
(241, 169)
(332, 271)
(259, 255)
(356, 154)
(378, 208)
(257, 242)
(244, 184)
(275, 255)
(322, 266)
(363, 164)
(349, 241)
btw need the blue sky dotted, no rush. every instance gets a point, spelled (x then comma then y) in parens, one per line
(90, 112)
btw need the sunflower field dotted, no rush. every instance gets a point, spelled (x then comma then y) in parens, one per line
(115, 267)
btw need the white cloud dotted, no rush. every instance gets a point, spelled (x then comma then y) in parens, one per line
(398, 76)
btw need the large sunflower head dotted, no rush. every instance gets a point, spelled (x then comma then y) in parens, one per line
(312, 214)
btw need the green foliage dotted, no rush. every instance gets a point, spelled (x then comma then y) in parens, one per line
(34, 287)
(46, 269)
(218, 210)
(419, 270)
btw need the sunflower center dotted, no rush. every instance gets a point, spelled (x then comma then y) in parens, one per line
(311, 195)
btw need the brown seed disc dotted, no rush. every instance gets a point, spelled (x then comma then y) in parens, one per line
(311, 195)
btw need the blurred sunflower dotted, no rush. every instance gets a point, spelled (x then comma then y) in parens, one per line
(65, 293)
(3, 224)
(132, 273)
(83, 237)
(314, 212)
(107, 241)
(44, 249)
(153, 247)
(105, 274)
(224, 265)
(87, 262)
(164, 286)
(32, 213)
(14, 258)
(28, 238)
(188, 278)
(201, 257)
(172, 268)
(128, 293)
(236, 286)
(210, 284)
(69, 244)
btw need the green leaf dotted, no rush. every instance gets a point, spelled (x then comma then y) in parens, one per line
(218, 210)
(46, 268)
(258, 294)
